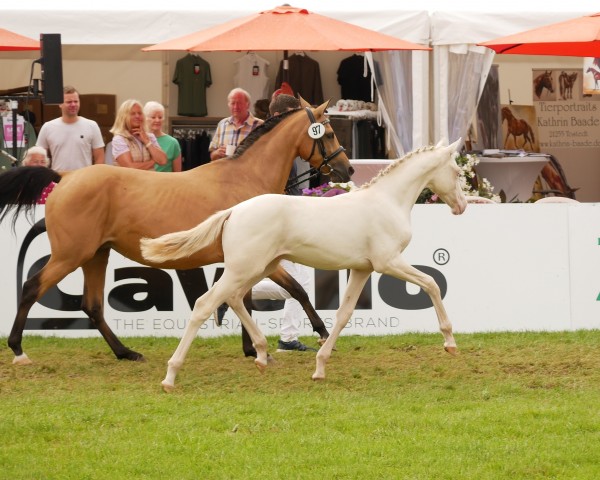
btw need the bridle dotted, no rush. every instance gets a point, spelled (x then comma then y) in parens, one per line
(324, 168)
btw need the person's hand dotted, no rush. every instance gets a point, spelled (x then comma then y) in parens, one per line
(140, 134)
(221, 151)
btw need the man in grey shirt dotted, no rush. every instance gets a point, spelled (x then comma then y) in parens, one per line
(72, 141)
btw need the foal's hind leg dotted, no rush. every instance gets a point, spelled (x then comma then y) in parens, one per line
(94, 274)
(356, 283)
(404, 271)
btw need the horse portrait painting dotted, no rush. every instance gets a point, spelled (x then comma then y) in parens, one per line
(363, 231)
(566, 81)
(543, 83)
(595, 74)
(100, 208)
(517, 127)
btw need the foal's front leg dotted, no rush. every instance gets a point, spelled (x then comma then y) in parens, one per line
(400, 269)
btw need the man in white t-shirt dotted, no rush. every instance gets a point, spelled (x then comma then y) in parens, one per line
(72, 141)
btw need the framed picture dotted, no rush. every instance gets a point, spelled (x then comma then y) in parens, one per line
(519, 128)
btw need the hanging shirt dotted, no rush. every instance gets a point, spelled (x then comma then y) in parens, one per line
(350, 75)
(304, 78)
(192, 76)
(252, 76)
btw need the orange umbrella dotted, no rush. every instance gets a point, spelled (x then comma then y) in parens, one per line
(14, 41)
(579, 37)
(286, 28)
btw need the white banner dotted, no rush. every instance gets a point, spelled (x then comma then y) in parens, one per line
(500, 268)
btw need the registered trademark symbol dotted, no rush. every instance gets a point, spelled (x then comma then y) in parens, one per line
(441, 256)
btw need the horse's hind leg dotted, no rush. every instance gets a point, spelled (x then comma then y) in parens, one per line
(257, 338)
(247, 346)
(33, 289)
(94, 274)
(283, 278)
(356, 283)
(203, 308)
(404, 271)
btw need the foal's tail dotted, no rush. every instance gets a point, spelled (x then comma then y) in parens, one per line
(185, 243)
(21, 187)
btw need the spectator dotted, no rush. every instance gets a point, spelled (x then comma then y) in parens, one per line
(266, 289)
(155, 115)
(232, 130)
(72, 141)
(132, 144)
(36, 157)
(293, 314)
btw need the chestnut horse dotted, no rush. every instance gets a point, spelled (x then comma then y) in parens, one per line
(517, 127)
(98, 208)
(341, 232)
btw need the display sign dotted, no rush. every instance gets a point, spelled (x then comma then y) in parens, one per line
(503, 267)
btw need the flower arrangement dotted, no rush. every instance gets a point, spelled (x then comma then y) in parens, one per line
(471, 184)
(330, 189)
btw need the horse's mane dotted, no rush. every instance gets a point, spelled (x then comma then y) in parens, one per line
(391, 166)
(261, 130)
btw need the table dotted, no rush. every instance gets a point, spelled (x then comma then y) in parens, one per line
(515, 175)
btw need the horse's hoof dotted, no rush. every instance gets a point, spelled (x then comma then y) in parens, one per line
(451, 350)
(321, 341)
(167, 387)
(318, 378)
(132, 356)
(261, 366)
(22, 359)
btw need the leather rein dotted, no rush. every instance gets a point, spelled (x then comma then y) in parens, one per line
(324, 168)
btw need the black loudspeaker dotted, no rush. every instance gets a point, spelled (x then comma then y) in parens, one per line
(52, 77)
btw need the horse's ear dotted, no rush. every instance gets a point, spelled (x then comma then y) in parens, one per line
(303, 103)
(320, 110)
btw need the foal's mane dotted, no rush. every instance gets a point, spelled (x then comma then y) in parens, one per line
(261, 130)
(391, 166)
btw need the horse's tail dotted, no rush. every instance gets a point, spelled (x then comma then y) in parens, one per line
(185, 243)
(21, 187)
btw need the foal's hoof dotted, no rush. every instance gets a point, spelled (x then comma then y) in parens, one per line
(317, 377)
(22, 359)
(167, 387)
(451, 350)
(132, 356)
(261, 366)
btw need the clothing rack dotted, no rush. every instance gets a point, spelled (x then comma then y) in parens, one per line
(194, 136)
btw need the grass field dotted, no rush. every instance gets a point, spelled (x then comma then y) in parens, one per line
(509, 406)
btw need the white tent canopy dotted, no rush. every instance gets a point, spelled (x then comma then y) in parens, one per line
(451, 29)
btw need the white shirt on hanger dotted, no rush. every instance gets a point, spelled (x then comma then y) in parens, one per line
(252, 76)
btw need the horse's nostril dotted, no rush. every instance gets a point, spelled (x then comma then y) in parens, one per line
(351, 170)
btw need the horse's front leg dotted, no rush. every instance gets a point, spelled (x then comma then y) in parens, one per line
(400, 269)
(94, 275)
(356, 283)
